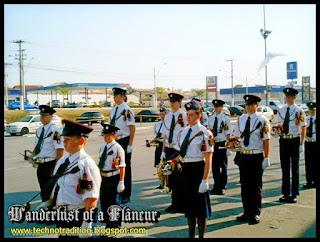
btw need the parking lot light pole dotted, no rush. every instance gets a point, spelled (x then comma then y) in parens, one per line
(232, 89)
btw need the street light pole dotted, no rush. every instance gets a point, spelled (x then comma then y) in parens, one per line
(265, 34)
(155, 85)
(232, 90)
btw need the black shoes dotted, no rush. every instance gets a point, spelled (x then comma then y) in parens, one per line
(252, 220)
(309, 185)
(160, 187)
(288, 199)
(172, 209)
(217, 192)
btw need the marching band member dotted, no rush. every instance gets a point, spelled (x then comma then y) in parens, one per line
(196, 147)
(122, 116)
(253, 131)
(310, 147)
(204, 117)
(49, 147)
(174, 121)
(220, 126)
(293, 120)
(112, 168)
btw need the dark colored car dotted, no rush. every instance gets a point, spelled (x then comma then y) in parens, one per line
(236, 110)
(148, 116)
(210, 111)
(90, 118)
(72, 105)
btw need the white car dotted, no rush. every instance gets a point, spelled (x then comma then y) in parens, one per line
(29, 124)
(266, 111)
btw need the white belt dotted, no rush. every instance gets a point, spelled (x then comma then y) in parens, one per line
(110, 173)
(289, 136)
(122, 136)
(70, 207)
(44, 160)
(250, 152)
(309, 139)
(191, 159)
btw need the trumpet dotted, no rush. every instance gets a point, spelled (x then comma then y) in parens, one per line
(30, 157)
(153, 142)
(233, 144)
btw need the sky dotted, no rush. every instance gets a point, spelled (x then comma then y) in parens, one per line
(181, 43)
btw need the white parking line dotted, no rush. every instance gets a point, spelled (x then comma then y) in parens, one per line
(14, 168)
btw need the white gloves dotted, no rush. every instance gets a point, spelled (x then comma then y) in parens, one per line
(129, 149)
(265, 163)
(120, 186)
(228, 152)
(204, 186)
(43, 205)
(88, 226)
(163, 156)
(301, 148)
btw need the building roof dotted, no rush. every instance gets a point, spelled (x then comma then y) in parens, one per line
(17, 87)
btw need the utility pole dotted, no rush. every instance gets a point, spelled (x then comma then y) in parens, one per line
(246, 85)
(5, 85)
(232, 91)
(22, 87)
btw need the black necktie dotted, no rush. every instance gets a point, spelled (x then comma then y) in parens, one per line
(185, 143)
(215, 127)
(113, 120)
(103, 158)
(62, 168)
(171, 129)
(159, 133)
(37, 150)
(310, 131)
(247, 132)
(286, 122)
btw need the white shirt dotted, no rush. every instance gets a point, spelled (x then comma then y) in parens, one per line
(204, 119)
(67, 194)
(295, 113)
(224, 125)
(195, 147)
(159, 127)
(124, 118)
(49, 146)
(314, 135)
(177, 127)
(114, 150)
(256, 129)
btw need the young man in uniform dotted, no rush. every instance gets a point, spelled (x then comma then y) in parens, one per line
(204, 117)
(49, 147)
(122, 116)
(310, 147)
(75, 190)
(220, 126)
(175, 120)
(293, 120)
(253, 132)
(112, 168)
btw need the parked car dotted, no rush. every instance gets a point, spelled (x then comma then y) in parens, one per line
(148, 115)
(304, 108)
(210, 111)
(236, 110)
(275, 105)
(266, 111)
(90, 118)
(5, 124)
(27, 105)
(107, 104)
(72, 105)
(29, 124)
(55, 104)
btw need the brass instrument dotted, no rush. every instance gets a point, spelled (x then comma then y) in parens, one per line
(277, 130)
(153, 142)
(164, 170)
(31, 158)
(233, 145)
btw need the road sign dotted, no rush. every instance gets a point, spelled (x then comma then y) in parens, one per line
(211, 83)
(292, 70)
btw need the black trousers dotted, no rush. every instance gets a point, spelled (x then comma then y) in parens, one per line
(289, 157)
(250, 167)
(128, 177)
(108, 197)
(44, 171)
(219, 167)
(310, 162)
(176, 182)
(157, 154)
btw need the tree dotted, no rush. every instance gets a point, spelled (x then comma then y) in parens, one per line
(130, 90)
(161, 91)
(63, 91)
(199, 92)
